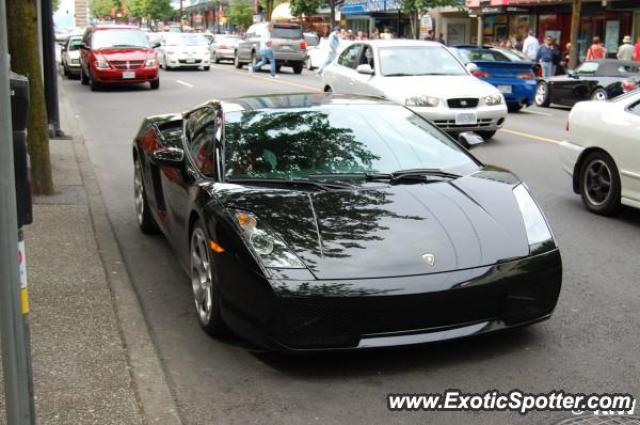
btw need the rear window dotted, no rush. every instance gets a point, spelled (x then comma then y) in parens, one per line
(286, 32)
(469, 55)
(119, 38)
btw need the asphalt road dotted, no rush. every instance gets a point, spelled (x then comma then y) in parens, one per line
(590, 345)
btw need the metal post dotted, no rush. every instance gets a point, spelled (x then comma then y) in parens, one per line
(480, 30)
(49, 66)
(15, 360)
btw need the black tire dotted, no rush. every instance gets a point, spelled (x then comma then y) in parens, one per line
(328, 89)
(254, 60)
(542, 97)
(84, 80)
(146, 222)
(599, 94)
(297, 68)
(155, 84)
(212, 322)
(486, 135)
(206, 68)
(278, 68)
(216, 59)
(596, 196)
(93, 84)
(65, 71)
(236, 61)
(307, 64)
(513, 107)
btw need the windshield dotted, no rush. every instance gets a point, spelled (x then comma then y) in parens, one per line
(298, 143)
(74, 43)
(286, 32)
(105, 39)
(403, 61)
(588, 68)
(470, 55)
(186, 40)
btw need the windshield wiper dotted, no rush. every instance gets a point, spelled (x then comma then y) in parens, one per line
(416, 174)
(292, 182)
(399, 74)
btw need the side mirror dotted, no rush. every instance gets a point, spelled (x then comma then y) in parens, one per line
(168, 157)
(155, 45)
(471, 67)
(83, 46)
(365, 69)
(470, 139)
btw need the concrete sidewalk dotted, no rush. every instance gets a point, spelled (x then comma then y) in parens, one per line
(93, 358)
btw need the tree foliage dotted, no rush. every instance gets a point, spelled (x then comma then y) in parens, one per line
(22, 29)
(102, 8)
(241, 12)
(305, 7)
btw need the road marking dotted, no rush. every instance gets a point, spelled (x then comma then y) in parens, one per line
(530, 136)
(272, 80)
(184, 83)
(544, 114)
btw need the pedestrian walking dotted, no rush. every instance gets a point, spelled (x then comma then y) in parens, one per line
(626, 51)
(266, 52)
(596, 51)
(334, 44)
(441, 39)
(545, 58)
(530, 46)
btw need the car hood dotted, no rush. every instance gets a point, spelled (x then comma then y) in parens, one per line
(443, 87)
(124, 54)
(382, 230)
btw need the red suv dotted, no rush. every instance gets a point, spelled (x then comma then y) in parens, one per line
(117, 55)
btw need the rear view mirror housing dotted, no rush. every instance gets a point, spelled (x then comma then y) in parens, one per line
(168, 157)
(365, 69)
(471, 67)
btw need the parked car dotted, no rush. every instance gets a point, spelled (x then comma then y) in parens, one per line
(422, 75)
(593, 80)
(223, 47)
(601, 153)
(517, 56)
(514, 79)
(184, 50)
(386, 233)
(117, 54)
(70, 56)
(289, 47)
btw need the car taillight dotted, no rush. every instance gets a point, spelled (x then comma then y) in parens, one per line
(526, 76)
(629, 86)
(303, 45)
(480, 74)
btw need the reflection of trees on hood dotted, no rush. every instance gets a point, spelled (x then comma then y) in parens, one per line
(283, 142)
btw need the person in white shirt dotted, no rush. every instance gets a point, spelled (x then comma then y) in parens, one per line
(531, 46)
(266, 52)
(334, 44)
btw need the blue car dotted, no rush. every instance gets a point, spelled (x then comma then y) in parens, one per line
(513, 76)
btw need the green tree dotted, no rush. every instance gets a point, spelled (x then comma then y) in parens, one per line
(416, 8)
(55, 4)
(305, 7)
(241, 12)
(158, 9)
(22, 29)
(101, 8)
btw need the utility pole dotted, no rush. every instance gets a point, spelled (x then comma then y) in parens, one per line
(15, 359)
(49, 66)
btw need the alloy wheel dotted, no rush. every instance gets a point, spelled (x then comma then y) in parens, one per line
(597, 182)
(599, 95)
(541, 93)
(201, 276)
(138, 192)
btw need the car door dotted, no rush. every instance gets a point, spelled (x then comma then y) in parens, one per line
(362, 83)
(180, 184)
(343, 71)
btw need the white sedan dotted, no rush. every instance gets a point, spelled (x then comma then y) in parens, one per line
(602, 153)
(426, 77)
(184, 50)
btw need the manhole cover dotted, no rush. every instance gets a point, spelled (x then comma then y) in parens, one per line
(601, 420)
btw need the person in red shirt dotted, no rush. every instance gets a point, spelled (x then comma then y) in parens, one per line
(638, 50)
(596, 51)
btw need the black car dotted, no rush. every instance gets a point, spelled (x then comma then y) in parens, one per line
(321, 221)
(593, 80)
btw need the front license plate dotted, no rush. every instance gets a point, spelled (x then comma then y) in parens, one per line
(128, 75)
(466, 118)
(505, 89)
(191, 60)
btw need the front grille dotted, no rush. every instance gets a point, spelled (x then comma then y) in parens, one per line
(462, 102)
(484, 122)
(190, 62)
(127, 64)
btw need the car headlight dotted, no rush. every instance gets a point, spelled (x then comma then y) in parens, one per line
(101, 63)
(422, 101)
(538, 231)
(267, 245)
(493, 99)
(150, 62)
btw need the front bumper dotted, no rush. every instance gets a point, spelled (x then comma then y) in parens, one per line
(289, 58)
(178, 61)
(224, 54)
(116, 76)
(367, 313)
(522, 91)
(490, 118)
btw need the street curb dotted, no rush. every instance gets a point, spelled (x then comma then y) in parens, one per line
(154, 396)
